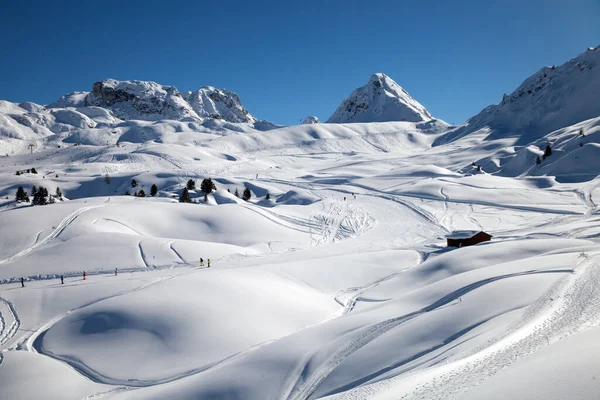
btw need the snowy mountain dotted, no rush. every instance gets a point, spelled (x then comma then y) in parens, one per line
(140, 100)
(209, 102)
(552, 98)
(380, 100)
(311, 120)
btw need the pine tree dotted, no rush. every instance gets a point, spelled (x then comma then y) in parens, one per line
(581, 132)
(33, 191)
(580, 144)
(548, 151)
(185, 196)
(247, 194)
(207, 185)
(133, 183)
(268, 196)
(59, 193)
(135, 194)
(127, 193)
(237, 194)
(538, 161)
(153, 190)
(229, 190)
(141, 193)
(191, 185)
(33, 171)
(21, 195)
(41, 196)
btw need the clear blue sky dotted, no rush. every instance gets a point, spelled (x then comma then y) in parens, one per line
(291, 58)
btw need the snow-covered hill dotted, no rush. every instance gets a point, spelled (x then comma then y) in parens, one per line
(380, 100)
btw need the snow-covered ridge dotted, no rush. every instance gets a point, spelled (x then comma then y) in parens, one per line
(552, 98)
(380, 100)
(150, 101)
(209, 102)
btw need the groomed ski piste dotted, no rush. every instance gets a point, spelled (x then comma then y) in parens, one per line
(337, 285)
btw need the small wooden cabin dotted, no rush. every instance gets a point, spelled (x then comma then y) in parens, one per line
(467, 238)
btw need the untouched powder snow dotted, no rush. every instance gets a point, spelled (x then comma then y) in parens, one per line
(380, 100)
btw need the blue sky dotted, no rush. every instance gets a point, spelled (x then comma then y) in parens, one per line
(290, 59)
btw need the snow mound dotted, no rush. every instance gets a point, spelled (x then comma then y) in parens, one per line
(380, 100)
(297, 197)
(222, 196)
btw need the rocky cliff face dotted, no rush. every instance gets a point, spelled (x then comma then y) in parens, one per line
(140, 100)
(380, 100)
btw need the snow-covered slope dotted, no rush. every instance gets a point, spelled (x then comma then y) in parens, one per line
(380, 100)
(552, 98)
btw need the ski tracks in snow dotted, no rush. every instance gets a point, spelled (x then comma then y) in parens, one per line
(55, 233)
(9, 323)
(305, 389)
(339, 221)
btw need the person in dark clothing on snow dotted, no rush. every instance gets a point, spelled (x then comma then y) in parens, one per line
(208, 263)
(22, 282)
(62, 280)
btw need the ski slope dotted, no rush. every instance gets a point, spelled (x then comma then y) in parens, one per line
(333, 281)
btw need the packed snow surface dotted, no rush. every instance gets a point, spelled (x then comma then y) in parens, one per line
(317, 269)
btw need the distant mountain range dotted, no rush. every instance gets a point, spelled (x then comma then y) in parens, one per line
(552, 98)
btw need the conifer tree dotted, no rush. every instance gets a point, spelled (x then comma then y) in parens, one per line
(185, 196)
(247, 194)
(22, 195)
(153, 190)
(191, 184)
(207, 185)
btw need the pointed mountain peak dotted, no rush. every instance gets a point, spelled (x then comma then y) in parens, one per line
(381, 99)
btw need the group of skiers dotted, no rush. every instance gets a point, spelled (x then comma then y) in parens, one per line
(62, 278)
(207, 262)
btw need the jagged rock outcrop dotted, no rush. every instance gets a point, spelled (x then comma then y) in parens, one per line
(209, 102)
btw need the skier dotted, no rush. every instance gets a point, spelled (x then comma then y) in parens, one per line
(84, 275)
(62, 280)
(116, 272)
(22, 282)
(201, 262)
(208, 263)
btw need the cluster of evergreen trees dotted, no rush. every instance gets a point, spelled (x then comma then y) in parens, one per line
(207, 186)
(40, 196)
(142, 192)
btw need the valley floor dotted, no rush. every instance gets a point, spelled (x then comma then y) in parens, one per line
(340, 286)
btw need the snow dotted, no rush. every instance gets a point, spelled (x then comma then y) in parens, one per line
(339, 286)
(380, 100)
